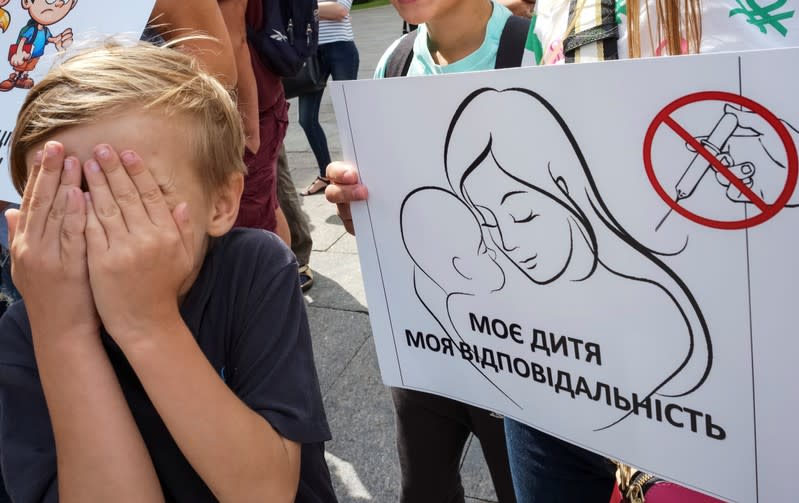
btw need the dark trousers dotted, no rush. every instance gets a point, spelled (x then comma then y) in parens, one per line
(431, 435)
(299, 226)
(548, 470)
(339, 60)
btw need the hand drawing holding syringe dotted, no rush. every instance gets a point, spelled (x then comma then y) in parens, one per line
(737, 135)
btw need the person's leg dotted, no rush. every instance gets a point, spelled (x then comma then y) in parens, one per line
(343, 60)
(300, 228)
(548, 470)
(309, 120)
(259, 198)
(282, 226)
(490, 430)
(431, 434)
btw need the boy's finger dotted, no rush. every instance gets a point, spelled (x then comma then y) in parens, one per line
(122, 187)
(339, 194)
(96, 239)
(27, 194)
(105, 206)
(148, 189)
(183, 221)
(70, 179)
(45, 188)
(73, 231)
(71, 175)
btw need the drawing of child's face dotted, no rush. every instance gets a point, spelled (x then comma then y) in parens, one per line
(532, 228)
(446, 242)
(47, 12)
(474, 264)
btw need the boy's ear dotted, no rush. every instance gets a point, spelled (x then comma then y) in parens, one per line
(225, 206)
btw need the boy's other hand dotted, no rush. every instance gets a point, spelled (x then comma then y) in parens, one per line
(140, 253)
(48, 247)
(343, 189)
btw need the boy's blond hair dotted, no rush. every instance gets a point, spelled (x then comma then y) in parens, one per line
(114, 79)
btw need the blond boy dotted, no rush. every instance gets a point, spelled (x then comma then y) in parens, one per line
(157, 355)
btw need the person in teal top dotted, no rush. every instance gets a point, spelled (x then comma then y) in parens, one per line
(424, 63)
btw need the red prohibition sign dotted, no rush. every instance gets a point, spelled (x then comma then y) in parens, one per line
(766, 210)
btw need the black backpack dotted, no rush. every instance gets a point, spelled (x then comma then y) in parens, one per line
(509, 52)
(289, 35)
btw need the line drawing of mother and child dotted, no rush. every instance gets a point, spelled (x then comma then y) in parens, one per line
(524, 205)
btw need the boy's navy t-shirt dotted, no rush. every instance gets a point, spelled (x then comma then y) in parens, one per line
(247, 313)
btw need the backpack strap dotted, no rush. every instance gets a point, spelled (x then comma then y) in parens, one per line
(511, 42)
(605, 34)
(400, 59)
(29, 24)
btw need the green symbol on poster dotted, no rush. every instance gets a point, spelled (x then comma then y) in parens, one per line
(764, 16)
(621, 10)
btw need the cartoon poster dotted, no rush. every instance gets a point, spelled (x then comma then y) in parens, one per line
(604, 251)
(34, 32)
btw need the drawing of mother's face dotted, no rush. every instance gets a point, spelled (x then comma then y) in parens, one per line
(532, 229)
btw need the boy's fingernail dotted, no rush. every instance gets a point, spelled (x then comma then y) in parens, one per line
(359, 193)
(52, 148)
(92, 166)
(69, 163)
(103, 153)
(37, 157)
(128, 158)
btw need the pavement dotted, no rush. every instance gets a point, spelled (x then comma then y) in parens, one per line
(362, 455)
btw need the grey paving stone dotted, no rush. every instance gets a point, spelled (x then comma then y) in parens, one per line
(337, 282)
(362, 421)
(474, 473)
(325, 223)
(345, 244)
(337, 337)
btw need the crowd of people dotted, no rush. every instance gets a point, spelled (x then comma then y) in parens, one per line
(154, 343)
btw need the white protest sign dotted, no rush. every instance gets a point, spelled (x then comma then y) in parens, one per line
(47, 27)
(603, 251)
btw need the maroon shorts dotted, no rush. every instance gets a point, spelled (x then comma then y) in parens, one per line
(259, 199)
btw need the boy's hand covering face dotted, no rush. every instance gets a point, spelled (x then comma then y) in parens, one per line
(48, 247)
(140, 253)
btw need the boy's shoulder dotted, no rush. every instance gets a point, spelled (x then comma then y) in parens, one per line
(242, 250)
(242, 240)
(240, 269)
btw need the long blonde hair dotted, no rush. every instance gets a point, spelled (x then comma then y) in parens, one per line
(678, 21)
